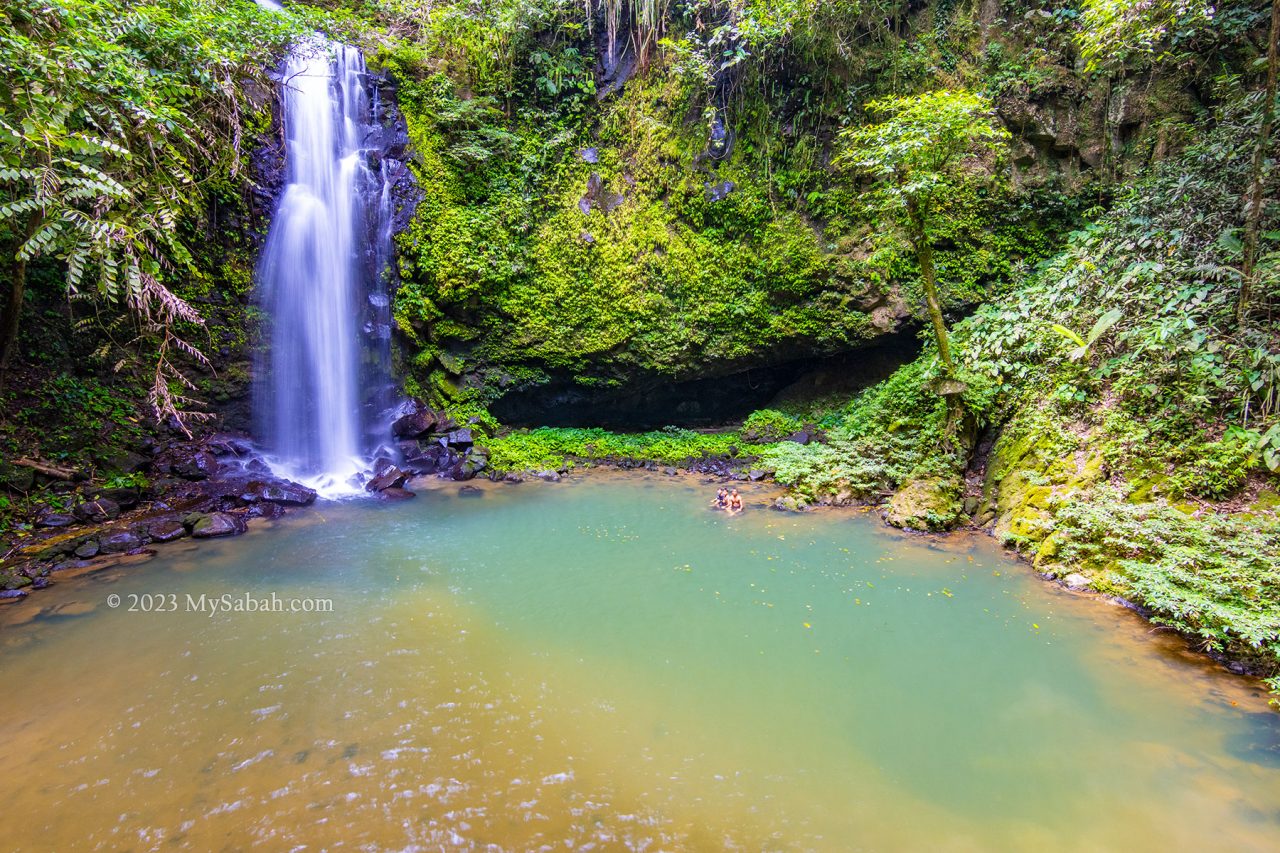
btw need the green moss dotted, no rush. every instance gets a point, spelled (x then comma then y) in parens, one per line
(681, 262)
(929, 503)
(534, 450)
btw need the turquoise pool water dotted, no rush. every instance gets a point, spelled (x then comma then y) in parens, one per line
(609, 664)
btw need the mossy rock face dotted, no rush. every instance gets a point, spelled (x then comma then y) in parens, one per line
(14, 580)
(1267, 501)
(54, 546)
(927, 504)
(1036, 464)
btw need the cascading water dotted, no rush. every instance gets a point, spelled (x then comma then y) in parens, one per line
(323, 376)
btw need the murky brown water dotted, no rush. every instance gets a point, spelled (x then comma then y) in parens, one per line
(608, 665)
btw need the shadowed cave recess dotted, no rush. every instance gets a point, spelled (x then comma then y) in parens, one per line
(653, 402)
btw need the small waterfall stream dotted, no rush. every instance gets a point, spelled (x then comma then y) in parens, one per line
(323, 383)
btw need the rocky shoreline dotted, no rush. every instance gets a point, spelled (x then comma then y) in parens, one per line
(199, 489)
(216, 486)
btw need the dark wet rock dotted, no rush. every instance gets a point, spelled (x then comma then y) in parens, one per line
(465, 470)
(257, 466)
(40, 582)
(433, 459)
(217, 524)
(415, 424)
(383, 464)
(119, 542)
(97, 511)
(88, 549)
(197, 465)
(34, 570)
(265, 509)
(618, 62)
(471, 492)
(68, 565)
(590, 155)
(395, 493)
(282, 492)
(166, 531)
(548, 476)
(126, 497)
(10, 595)
(460, 439)
(669, 471)
(124, 461)
(720, 191)
(755, 475)
(720, 143)
(800, 437)
(229, 445)
(391, 478)
(55, 519)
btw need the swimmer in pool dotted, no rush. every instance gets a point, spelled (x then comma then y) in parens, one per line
(735, 503)
(722, 499)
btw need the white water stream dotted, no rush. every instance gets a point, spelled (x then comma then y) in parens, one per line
(317, 399)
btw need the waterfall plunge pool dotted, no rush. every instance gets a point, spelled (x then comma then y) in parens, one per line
(609, 664)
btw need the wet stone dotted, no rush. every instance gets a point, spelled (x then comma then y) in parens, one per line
(102, 509)
(119, 543)
(217, 524)
(395, 493)
(166, 531)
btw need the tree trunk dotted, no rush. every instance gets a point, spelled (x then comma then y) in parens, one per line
(1253, 222)
(11, 310)
(924, 256)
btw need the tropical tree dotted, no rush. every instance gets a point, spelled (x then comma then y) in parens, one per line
(1119, 32)
(111, 117)
(926, 147)
(1258, 173)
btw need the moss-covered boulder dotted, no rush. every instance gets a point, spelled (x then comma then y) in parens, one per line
(1035, 464)
(929, 503)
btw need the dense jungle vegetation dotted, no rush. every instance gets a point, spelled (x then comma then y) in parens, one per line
(1072, 202)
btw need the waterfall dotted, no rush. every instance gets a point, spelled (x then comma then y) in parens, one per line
(323, 375)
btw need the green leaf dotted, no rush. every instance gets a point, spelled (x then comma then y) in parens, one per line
(1105, 322)
(1069, 335)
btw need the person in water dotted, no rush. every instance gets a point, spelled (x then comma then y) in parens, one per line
(735, 503)
(722, 499)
